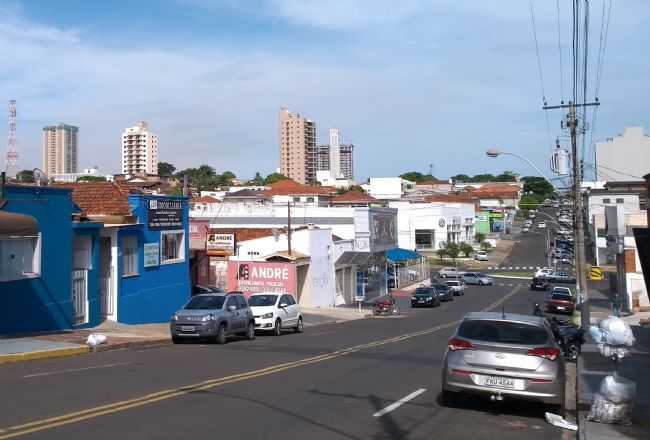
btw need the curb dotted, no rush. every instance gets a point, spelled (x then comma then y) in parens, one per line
(43, 354)
(510, 277)
(149, 343)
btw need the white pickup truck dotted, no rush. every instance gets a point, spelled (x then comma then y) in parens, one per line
(449, 272)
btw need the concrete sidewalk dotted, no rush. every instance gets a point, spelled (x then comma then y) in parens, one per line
(593, 367)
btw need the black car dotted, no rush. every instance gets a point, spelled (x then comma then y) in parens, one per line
(540, 283)
(425, 297)
(444, 292)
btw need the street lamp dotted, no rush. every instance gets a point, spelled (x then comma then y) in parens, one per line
(494, 152)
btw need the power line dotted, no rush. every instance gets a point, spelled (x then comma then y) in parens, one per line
(539, 61)
(585, 49)
(559, 50)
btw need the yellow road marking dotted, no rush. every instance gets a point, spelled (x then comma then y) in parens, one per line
(98, 411)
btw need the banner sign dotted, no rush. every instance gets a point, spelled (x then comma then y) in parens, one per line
(165, 214)
(261, 276)
(151, 254)
(220, 244)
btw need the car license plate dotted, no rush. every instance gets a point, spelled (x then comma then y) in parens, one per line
(561, 308)
(503, 382)
(422, 300)
(187, 328)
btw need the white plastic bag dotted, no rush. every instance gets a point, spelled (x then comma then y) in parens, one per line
(597, 334)
(616, 331)
(94, 339)
(560, 422)
(604, 411)
(618, 389)
(611, 351)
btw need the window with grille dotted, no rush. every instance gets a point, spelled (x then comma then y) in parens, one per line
(129, 255)
(172, 247)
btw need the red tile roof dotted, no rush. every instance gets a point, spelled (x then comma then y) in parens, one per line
(353, 197)
(204, 199)
(288, 187)
(100, 198)
(455, 198)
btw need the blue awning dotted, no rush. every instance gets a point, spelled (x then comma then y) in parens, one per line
(398, 255)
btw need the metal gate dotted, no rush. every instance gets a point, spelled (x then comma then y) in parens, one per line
(79, 295)
(106, 293)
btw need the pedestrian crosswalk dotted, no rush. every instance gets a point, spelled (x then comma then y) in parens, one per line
(514, 267)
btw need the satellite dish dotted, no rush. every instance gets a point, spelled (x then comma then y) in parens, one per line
(40, 178)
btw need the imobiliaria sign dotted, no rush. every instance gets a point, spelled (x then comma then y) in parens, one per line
(260, 276)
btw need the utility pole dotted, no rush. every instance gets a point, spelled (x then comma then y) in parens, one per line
(579, 232)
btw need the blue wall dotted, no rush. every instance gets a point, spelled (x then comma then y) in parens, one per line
(45, 303)
(156, 292)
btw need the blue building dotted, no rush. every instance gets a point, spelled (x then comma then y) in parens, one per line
(73, 256)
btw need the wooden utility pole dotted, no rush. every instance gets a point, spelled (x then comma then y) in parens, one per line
(578, 214)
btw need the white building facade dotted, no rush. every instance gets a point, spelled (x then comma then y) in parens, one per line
(139, 150)
(623, 158)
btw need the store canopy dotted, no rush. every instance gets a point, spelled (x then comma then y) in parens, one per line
(351, 257)
(17, 225)
(398, 255)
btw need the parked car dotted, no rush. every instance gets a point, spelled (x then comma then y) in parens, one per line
(449, 272)
(561, 289)
(503, 355)
(525, 229)
(543, 272)
(477, 278)
(541, 225)
(199, 289)
(540, 283)
(425, 297)
(213, 316)
(561, 277)
(560, 302)
(481, 256)
(275, 312)
(457, 287)
(444, 292)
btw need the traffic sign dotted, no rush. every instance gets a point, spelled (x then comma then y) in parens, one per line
(596, 273)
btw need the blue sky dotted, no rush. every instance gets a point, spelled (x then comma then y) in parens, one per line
(411, 83)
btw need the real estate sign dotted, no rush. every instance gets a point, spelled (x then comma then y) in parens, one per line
(151, 254)
(220, 244)
(261, 276)
(164, 214)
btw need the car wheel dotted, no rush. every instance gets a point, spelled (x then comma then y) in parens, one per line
(447, 398)
(300, 327)
(221, 335)
(277, 330)
(250, 331)
(176, 340)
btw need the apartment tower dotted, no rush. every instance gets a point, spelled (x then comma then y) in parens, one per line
(297, 147)
(335, 157)
(139, 150)
(60, 149)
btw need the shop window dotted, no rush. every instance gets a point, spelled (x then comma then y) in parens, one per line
(20, 258)
(172, 247)
(129, 255)
(606, 201)
(620, 200)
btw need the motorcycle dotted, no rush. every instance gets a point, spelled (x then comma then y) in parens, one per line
(569, 337)
(385, 306)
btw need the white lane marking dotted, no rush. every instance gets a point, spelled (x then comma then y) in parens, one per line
(517, 267)
(510, 285)
(510, 268)
(400, 402)
(73, 370)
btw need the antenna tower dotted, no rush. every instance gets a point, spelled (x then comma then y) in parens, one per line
(11, 161)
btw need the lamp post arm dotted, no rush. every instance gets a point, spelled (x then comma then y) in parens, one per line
(527, 161)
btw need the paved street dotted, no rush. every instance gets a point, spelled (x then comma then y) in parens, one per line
(326, 383)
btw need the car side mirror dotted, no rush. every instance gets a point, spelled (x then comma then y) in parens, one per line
(232, 308)
(283, 305)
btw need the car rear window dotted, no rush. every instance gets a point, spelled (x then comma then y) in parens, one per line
(423, 291)
(205, 302)
(561, 297)
(504, 332)
(452, 283)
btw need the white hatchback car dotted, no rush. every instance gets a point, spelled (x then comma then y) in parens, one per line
(276, 311)
(481, 256)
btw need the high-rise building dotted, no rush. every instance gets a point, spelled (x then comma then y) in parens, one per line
(60, 149)
(139, 150)
(297, 147)
(335, 157)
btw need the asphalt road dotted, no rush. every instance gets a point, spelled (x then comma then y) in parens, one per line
(328, 383)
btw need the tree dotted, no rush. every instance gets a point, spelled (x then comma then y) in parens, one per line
(91, 179)
(538, 185)
(453, 250)
(483, 178)
(258, 179)
(165, 169)
(461, 178)
(506, 176)
(466, 249)
(414, 176)
(530, 201)
(441, 253)
(480, 237)
(274, 177)
(203, 178)
(25, 176)
(486, 246)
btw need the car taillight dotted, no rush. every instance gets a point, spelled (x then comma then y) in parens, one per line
(458, 344)
(549, 353)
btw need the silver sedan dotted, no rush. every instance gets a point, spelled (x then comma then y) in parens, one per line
(504, 356)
